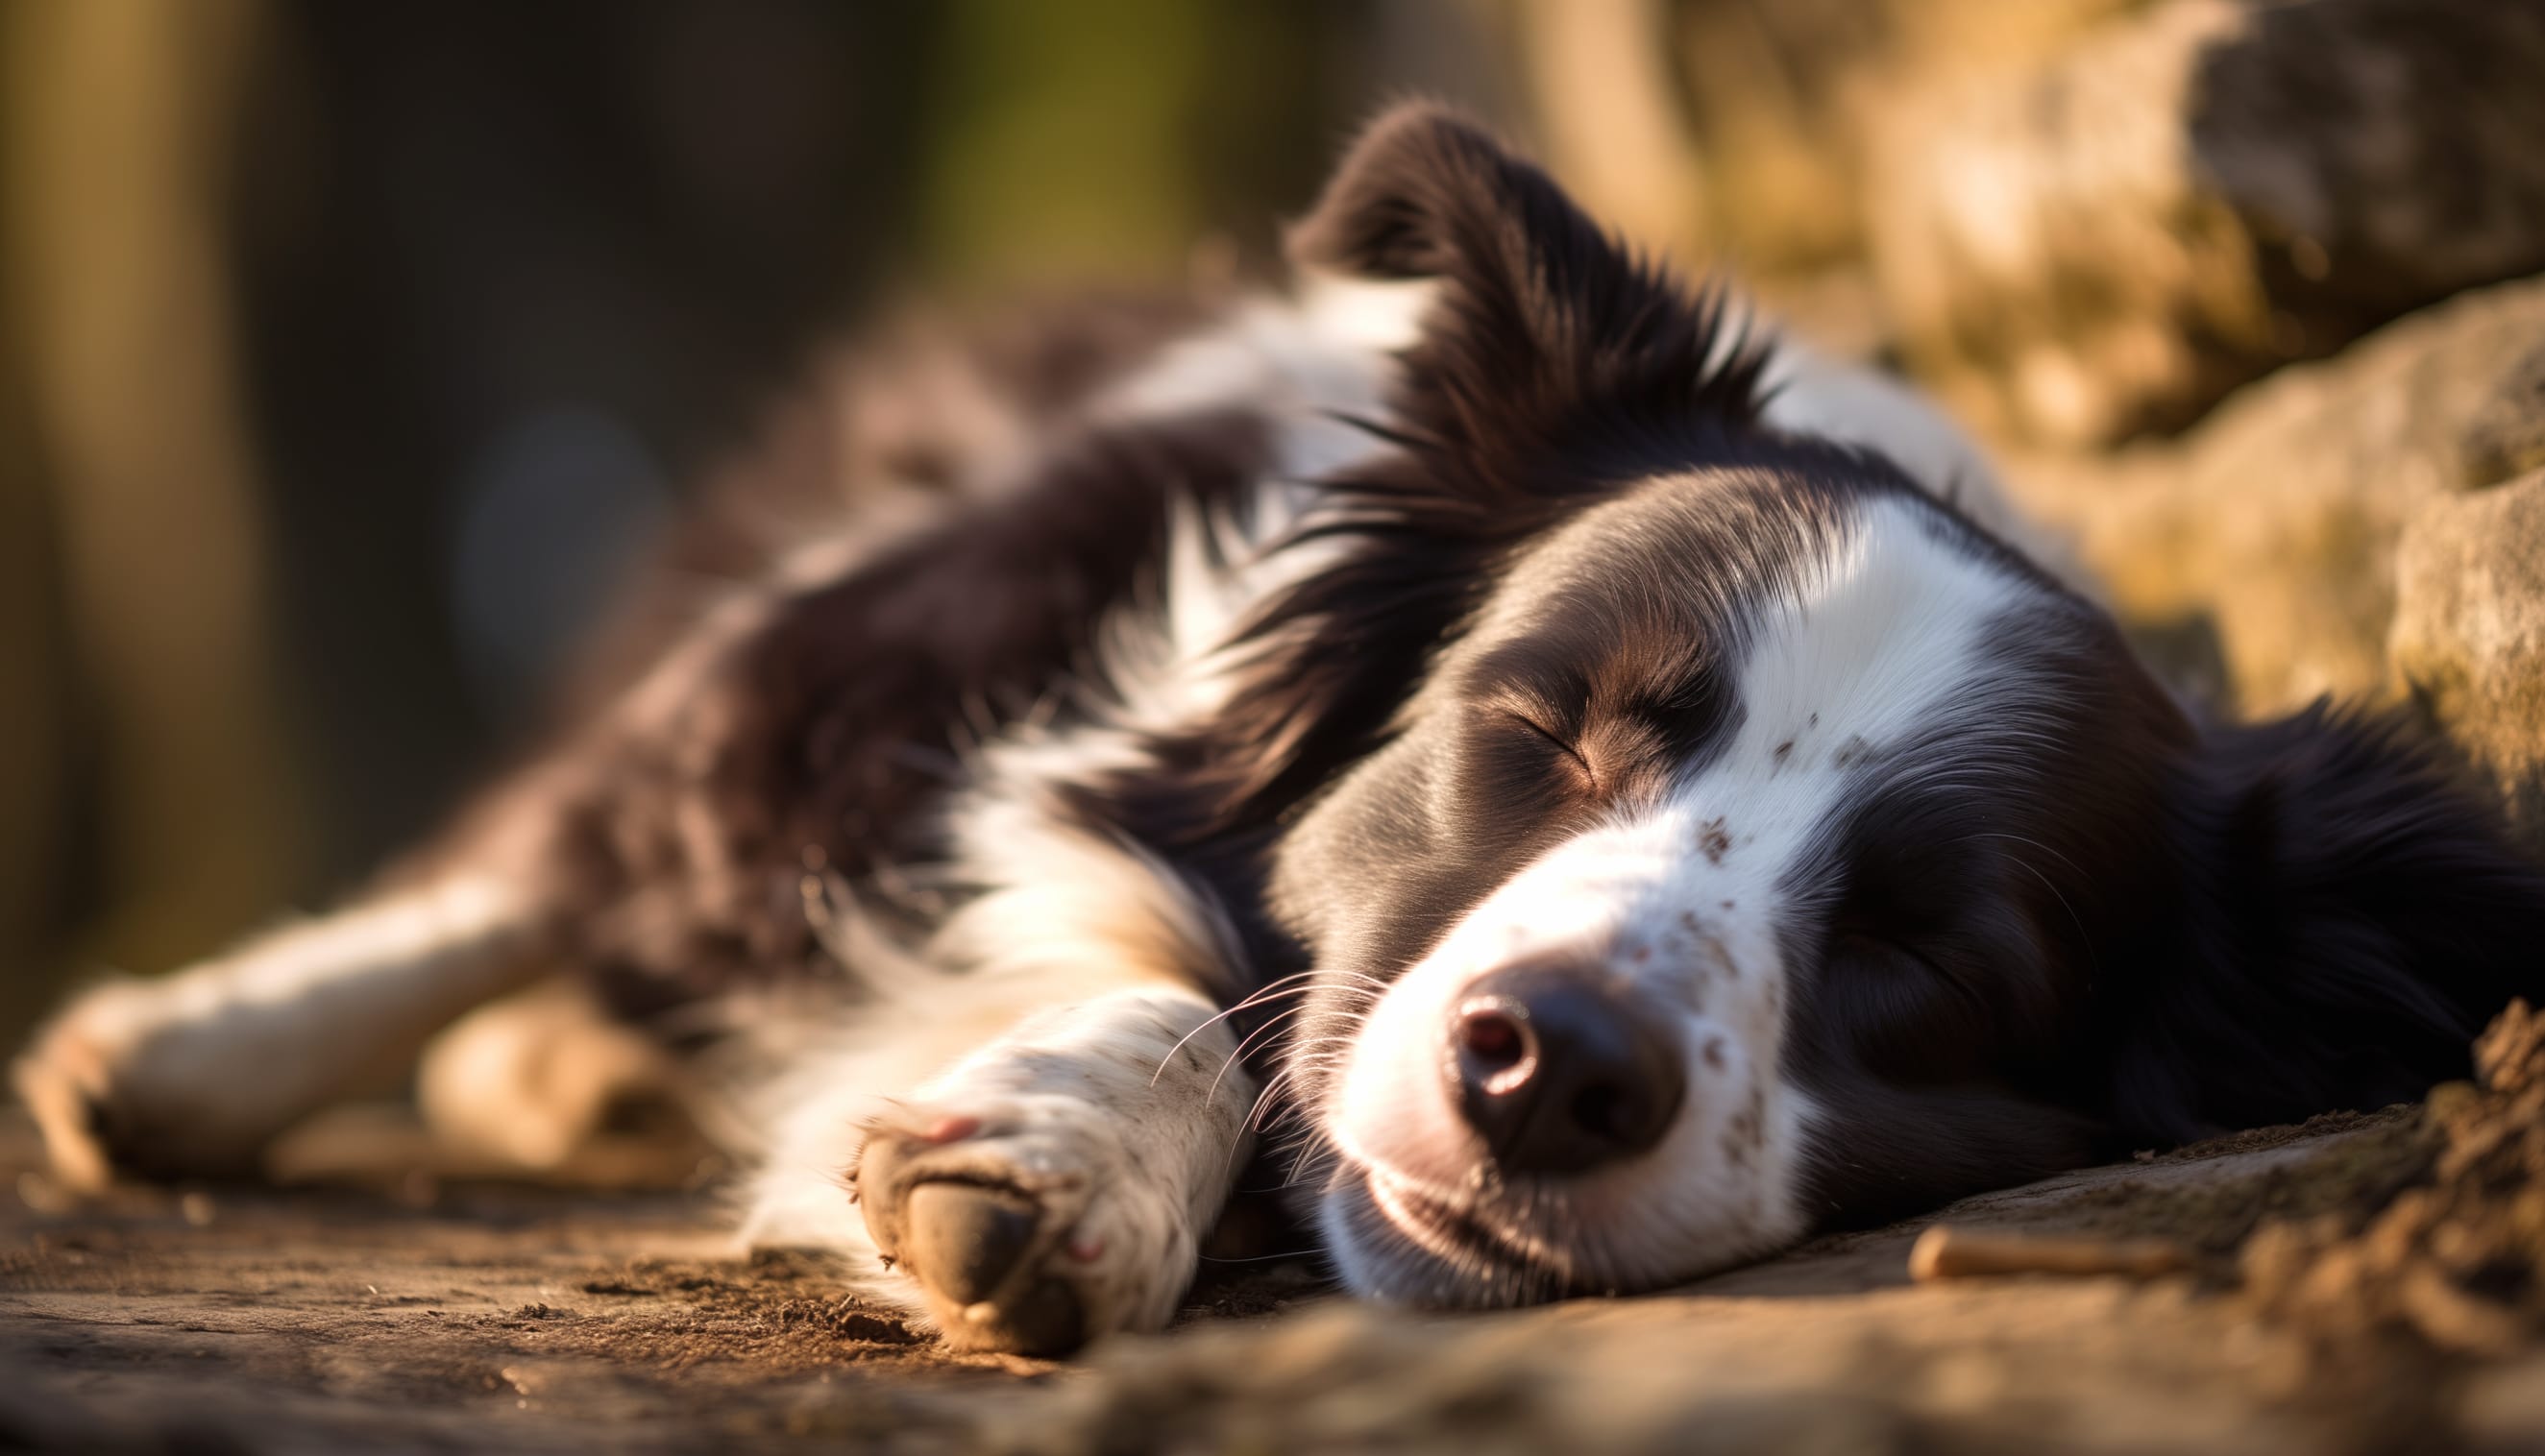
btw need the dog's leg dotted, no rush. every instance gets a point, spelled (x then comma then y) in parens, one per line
(530, 1080)
(1058, 1185)
(1053, 1185)
(193, 1074)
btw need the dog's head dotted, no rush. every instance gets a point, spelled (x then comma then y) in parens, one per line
(1760, 845)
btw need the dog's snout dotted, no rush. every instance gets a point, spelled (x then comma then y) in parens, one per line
(1560, 1070)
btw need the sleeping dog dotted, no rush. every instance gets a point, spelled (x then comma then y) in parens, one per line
(1578, 793)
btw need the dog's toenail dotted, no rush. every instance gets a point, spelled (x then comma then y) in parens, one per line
(952, 1129)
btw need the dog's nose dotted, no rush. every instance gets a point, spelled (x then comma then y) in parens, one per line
(1560, 1070)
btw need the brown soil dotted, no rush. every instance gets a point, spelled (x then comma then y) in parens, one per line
(2364, 1283)
(2455, 1262)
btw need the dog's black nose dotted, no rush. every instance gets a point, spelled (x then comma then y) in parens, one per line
(1561, 1070)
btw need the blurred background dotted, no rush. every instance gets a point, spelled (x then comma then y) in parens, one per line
(350, 353)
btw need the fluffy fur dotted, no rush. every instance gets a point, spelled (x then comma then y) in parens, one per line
(1596, 795)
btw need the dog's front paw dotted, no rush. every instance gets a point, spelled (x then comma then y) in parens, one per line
(1030, 1226)
(94, 1082)
(62, 1081)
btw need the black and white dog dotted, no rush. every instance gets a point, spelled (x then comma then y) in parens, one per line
(1597, 798)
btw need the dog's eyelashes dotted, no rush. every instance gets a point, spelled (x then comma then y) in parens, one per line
(1575, 759)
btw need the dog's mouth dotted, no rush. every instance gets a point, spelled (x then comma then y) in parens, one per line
(1493, 1261)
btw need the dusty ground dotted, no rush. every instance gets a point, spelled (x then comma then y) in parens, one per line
(443, 1316)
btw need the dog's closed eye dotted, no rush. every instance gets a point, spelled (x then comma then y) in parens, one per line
(1572, 754)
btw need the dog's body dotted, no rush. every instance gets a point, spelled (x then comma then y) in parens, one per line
(1597, 798)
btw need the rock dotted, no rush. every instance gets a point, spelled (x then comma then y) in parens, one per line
(2469, 636)
(1732, 129)
(1783, 98)
(2109, 240)
(2255, 554)
(2506, 435)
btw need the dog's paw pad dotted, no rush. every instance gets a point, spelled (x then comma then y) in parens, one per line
(59, 1084)
(979, 1250)
(966, 1240)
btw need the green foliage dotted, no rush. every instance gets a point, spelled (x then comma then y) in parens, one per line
(1063, 139)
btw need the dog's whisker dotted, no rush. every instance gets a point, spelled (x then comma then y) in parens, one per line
(1237, 1055)
(1285, 986)
(1259, 997)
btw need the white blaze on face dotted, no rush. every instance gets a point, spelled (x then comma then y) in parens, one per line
(1882, 643)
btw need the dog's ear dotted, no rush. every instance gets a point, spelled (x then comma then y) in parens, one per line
(1540, 314)
(1548, 361)
(1425, 193)
(2349, 919)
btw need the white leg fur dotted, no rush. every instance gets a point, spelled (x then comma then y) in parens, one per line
(1107, 1132)
(196, 1072)
(1061, 988)
(1049, 1064)
(527, 1079)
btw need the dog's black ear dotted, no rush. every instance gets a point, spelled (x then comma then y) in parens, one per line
(1424, 192)
(1549, 364)
(1541, 314)
(2349, 919)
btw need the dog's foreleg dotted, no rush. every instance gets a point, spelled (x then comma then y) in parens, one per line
(1053, 1185)
(194, 1072)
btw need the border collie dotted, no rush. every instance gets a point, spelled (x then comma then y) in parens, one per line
(1584, 795)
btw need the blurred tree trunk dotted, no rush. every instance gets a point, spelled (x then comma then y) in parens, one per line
(36, 796)
(116, 117)
(1600, 72)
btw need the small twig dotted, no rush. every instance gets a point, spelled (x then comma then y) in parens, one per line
(1945, 1253)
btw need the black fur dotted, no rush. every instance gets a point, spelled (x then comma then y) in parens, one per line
(823, 737)
(2143, 936)
(2155, 935)
(2344, 920)
(2110, 930)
